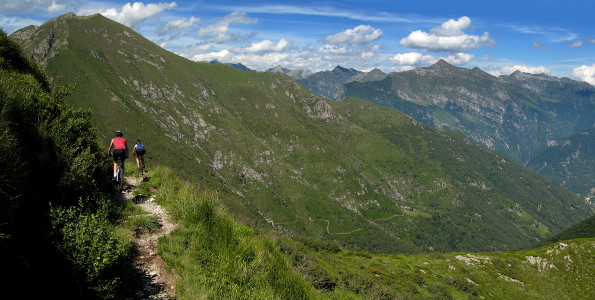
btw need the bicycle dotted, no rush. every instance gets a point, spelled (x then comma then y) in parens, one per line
(141, 160)
(120, 174)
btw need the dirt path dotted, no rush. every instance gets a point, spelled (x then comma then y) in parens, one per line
(157, 282)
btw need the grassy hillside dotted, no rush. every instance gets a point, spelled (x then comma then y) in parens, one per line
(284, 159)
(64, 237)
(216, 257)
(583, 229)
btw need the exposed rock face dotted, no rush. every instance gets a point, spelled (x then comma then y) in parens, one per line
(52, 41)
(542, 263)
(520, 115)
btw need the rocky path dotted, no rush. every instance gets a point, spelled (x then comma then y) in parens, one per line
(157, 282)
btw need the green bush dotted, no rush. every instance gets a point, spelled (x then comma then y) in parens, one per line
(319, 245)
(92, 245)
(49, 152)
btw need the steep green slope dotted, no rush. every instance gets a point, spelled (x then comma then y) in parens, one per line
(571, 164)
(463, 187)
(286, 159)
(583, 229)
(214, 256)
(57, 232)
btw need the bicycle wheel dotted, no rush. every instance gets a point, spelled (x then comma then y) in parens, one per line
(142, 166)
(120, 179)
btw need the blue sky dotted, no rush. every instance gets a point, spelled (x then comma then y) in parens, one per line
(534, 36)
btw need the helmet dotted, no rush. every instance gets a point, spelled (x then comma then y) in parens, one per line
(119, 133)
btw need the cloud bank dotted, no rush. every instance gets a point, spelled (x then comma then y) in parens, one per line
(219, 31)
(132, 14)
(585, 73)
(362, 34)
(526, 69)
(449, 37)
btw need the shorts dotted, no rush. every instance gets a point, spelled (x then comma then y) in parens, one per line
(119, 154)
(140, 152)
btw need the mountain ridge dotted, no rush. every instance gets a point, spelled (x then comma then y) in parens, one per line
(289, 160)
(520, 115)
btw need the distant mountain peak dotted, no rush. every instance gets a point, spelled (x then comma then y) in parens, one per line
(441, 64)
(238, 66)
(339, 69)
(277, 69)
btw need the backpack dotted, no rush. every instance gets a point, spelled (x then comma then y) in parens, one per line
(140, 147)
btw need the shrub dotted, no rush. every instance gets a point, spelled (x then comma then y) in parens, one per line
(92, 245)
(319, 245)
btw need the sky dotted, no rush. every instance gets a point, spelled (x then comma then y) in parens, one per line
(534, 36)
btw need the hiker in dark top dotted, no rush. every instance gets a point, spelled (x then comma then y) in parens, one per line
(139, 151)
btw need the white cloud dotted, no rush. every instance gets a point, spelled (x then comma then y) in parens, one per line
(448, 37)
(332, 49)
(131, 15)
(178, 25)
(575, 44)
(223, 55)
(219, 32)
(452, 27)
(418, 59)
(370, 53)
(362, 34)
(14, 23)
(406, 59)
(526, 69)
(267, 45)
(262, 61)
(459, 58)
(56, 7)
(585, 73)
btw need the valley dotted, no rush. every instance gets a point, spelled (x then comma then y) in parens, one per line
(275, 150)
(271, 191)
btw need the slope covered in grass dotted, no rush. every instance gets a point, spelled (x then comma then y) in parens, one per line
(218, 258)
(283, 158)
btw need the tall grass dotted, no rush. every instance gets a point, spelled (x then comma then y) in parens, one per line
(215, 256)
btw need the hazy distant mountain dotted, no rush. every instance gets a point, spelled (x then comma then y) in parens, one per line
(571, 163)
(329, 84)
(238, 66)
(295, 74)
(520, 114)
(281, 157)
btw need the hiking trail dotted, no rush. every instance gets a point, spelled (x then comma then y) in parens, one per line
(158, 283)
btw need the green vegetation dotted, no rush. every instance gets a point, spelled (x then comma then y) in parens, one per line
(571, 163)
(283, 159)
(520, 115)
(217, 258)
(452, 275)
(58, 236)
(583, 229)
(63, 236)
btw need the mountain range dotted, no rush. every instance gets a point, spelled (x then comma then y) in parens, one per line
(520, 115)
(288, 160)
